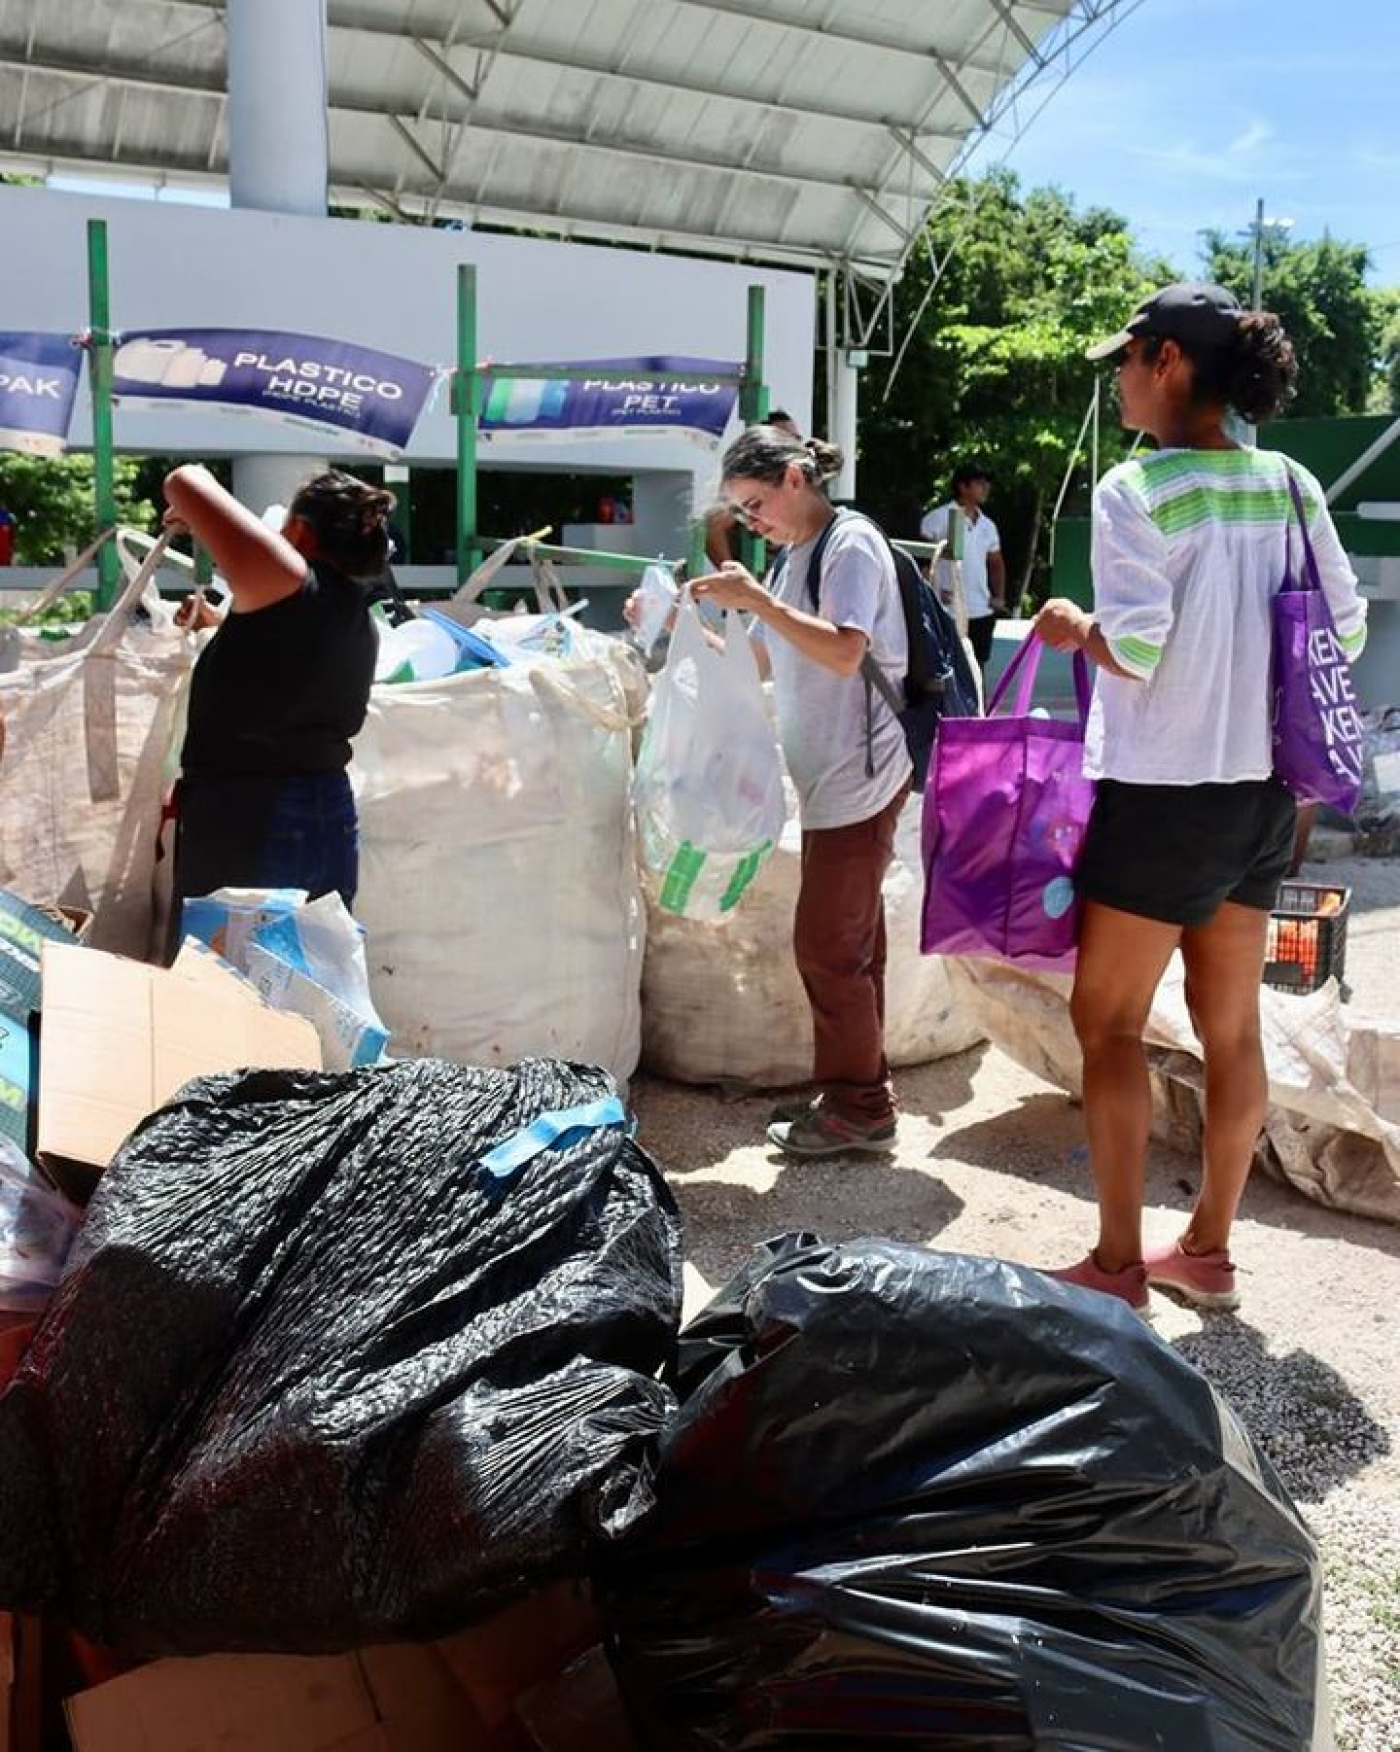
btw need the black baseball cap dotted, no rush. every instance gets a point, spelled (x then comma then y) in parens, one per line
(1192, 311)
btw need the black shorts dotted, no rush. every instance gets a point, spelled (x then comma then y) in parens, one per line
(980, 628)
(1175, 852)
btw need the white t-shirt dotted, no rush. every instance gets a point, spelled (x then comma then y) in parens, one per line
(1188, 553)
(980, 539)
(821, 715)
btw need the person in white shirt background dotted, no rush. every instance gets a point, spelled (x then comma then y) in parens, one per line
(1190, 832)
(983, 569)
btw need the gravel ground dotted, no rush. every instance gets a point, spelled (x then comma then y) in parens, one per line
(991, 1161)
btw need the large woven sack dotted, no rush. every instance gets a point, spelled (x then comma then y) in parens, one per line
(724, 1003)
(89, 729)
(498, 871)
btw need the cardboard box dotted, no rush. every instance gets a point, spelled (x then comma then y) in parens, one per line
(495, 1662)
(395, 1698)
(18, 1072)
(581, 1710)
(226, 1703)
(119, 1038)
(24, 929)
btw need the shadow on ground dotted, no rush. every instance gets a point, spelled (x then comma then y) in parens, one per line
(1300, 1411)
(840, 1198)
(1041, 1139)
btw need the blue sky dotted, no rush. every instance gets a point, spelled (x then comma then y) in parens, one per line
(1190, 110)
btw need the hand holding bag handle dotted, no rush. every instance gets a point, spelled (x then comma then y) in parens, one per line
(1027, 663)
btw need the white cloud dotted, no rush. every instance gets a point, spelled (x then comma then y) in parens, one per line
(1256, 134)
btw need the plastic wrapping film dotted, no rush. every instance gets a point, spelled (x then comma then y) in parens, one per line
(922, 1499)
(316, 1376)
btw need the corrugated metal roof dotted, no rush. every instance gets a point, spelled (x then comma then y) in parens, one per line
(796, 131)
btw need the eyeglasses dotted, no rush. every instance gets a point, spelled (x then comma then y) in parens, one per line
(745, 511)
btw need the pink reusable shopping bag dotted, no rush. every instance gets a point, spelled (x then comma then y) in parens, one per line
(1004, 817)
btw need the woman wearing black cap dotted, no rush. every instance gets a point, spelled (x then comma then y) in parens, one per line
(1190, 832)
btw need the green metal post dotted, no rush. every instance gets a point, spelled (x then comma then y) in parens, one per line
(753, 392)
(753, 410)
(100, 382)
(203, 565)
(466, 389)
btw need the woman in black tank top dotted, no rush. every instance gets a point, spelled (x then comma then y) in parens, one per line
(281, 689)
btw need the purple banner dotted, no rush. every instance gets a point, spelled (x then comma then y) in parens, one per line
(38, 381)
(372, 398)
(690, 399)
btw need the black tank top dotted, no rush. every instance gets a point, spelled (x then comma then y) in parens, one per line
(283, 689)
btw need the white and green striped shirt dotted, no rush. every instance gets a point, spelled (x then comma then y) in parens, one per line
(1188, 553)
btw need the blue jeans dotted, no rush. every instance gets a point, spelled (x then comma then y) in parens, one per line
(258, 831)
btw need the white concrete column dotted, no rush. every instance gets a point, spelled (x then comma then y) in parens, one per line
(843, 425)
(260, 481)
(278, 160)
(278, 91)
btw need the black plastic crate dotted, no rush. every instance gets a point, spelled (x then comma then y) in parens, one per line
(1307, 936)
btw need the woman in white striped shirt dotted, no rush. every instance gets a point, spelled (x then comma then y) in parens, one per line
(1191, 833)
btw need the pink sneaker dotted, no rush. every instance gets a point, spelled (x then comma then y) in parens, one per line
(1206, 1279)
(1129, 1285)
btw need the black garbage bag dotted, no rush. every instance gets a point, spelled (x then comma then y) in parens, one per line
(922, 1499)
(316, 1375)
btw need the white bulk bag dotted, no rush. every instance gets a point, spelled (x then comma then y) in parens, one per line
(89, 730)
(498, 872)
(725, 1003)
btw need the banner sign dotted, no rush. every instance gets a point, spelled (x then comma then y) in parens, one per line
(372, 398)
(38, 381)
(689, 400)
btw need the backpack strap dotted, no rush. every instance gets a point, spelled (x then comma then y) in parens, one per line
(870, 671)
(817, 555)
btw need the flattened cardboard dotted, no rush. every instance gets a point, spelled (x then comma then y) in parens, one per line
(579, 1710)
(17, 1080)
(24, 929)
(119, 1038)
(226, 1703)
(519, 1647)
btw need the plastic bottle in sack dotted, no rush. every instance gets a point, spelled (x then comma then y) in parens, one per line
(656, 598)
(415, 651)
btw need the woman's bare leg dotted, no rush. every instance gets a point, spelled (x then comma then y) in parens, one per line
(1121, 960)
(1224, 966)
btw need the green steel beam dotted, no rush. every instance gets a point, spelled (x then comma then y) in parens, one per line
(100, 383)
(753, 410)
(584, 556)
(466, 390)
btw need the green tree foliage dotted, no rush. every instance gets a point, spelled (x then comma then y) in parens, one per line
(996, 371)
(1319, 292)
(51, 498)
(1385, 390)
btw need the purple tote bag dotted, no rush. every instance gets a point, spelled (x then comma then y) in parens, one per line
(1319, 739)
(1004, 817)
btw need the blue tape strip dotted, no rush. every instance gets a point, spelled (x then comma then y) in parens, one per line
(550, 1128)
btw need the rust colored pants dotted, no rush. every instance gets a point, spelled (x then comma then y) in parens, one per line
(838, 938)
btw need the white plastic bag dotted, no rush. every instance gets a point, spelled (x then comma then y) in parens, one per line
(709, 785)
(37, 1226)
(656, 597)
(307, 957)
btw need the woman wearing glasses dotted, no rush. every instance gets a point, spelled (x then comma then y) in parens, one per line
(847, 757)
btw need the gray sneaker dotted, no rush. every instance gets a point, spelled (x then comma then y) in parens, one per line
(795, 1107)
(822, 1133)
